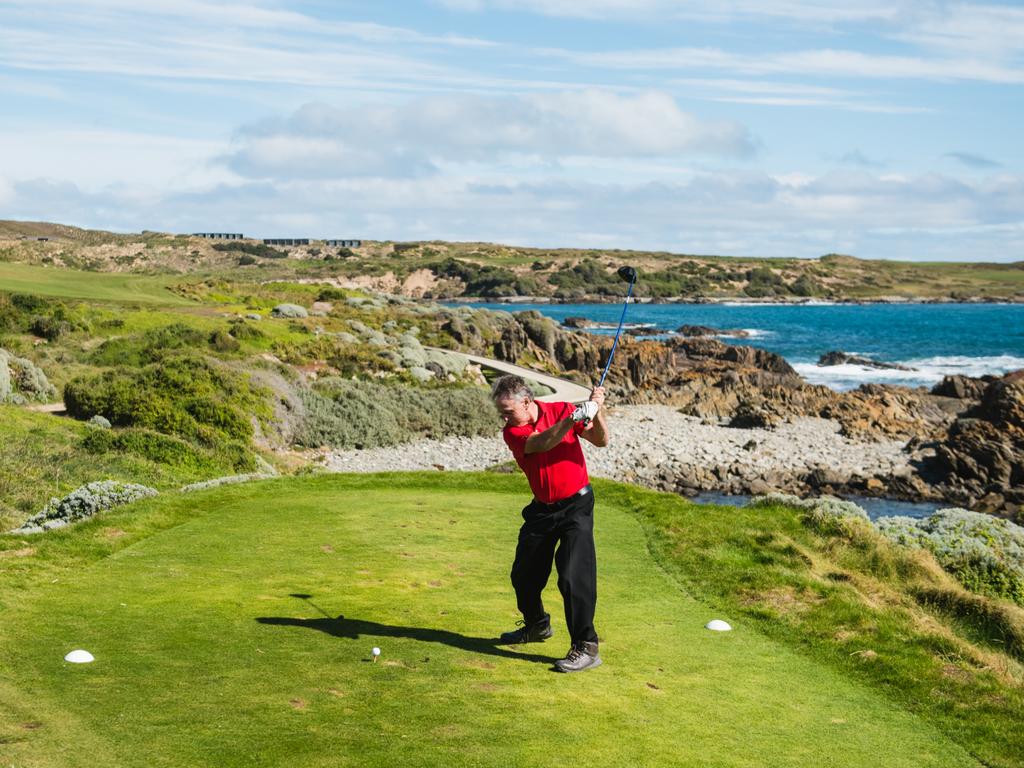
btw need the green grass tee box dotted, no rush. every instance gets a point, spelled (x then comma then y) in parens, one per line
(241, 636)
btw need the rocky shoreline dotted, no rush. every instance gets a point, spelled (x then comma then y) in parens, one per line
(731, 300)
(964, 437)
(658, 447)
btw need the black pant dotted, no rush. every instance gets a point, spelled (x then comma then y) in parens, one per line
(569, 523)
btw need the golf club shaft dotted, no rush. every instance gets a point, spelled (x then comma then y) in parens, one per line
(615, 343)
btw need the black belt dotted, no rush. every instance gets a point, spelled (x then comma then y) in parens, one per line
(581, 492)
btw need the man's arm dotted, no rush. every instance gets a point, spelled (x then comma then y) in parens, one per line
(539, 442)
(597, 431)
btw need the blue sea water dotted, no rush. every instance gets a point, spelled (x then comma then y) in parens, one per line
(875, 508)
(933, 339)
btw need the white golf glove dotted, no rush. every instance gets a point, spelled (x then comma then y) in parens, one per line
(585, 411)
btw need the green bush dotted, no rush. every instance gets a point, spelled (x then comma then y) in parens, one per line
(169, 450)
(149, 347)
(984, 553)
(253, 249)
(486, 281)
(350, 359)
(362, 414)
(222, 341)
(244, 331)
(186, 395)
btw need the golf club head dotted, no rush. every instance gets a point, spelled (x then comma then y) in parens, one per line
(628, 274)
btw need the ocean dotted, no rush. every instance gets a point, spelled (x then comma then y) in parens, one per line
(933, 339)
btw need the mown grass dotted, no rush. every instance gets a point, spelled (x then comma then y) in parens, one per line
(877, 612)
(69, 283)
(234, 627)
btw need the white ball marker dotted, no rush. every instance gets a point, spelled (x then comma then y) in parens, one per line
(717, 625)
(79, 657)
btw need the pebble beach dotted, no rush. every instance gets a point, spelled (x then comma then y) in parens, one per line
(656, 446)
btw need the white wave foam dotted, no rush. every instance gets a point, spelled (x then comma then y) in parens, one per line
(967, 366)
(928, 371)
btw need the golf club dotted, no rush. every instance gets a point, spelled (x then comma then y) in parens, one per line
(627, 274)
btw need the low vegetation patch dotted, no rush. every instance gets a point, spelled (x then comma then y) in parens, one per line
(342, 413)
(984, 553)
(83, 503)
(185, 395)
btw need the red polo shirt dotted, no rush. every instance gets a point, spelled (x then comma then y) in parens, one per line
(554, 474)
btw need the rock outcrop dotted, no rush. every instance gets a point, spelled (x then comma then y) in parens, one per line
(843, 358)
(979, 461)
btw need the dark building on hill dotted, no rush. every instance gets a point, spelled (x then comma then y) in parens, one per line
(344, 243)
(286, 241)
(219, 235)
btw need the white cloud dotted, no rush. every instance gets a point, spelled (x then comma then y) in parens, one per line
(983, 31)
(415, 137)
(98, 158)
(816, 11)
(817, 63)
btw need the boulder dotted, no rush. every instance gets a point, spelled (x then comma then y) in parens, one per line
(289, 310)
(960, 387)
(578, 322)
(706, 330)
(842, 358)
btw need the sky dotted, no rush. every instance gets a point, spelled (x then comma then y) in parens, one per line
(746, 127)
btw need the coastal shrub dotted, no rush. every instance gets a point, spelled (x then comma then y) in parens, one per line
(343, 413)
(222, 341)
(49, 328)
(186, 395)
(171, 451)
(342, 352)
(984, 553)
(244, 331)
(827, 515)
(228, 480)
(252, 249)
(150, 346)
(22, 380)
(485, 280)
(330, 293)
(84, 502)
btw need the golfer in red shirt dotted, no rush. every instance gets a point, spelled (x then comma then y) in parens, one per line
(545, 440)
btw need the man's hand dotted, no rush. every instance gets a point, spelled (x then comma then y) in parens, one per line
(597, 395)
(585, 411)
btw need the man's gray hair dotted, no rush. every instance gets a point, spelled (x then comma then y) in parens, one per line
(511, 386)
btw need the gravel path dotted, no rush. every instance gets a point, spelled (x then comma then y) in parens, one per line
(656, 446)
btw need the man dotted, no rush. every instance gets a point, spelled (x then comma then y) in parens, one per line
(544, 439)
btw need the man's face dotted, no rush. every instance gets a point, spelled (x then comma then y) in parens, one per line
(514, 412)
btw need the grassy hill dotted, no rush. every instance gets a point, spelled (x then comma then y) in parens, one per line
(447, 270)
(234, 627)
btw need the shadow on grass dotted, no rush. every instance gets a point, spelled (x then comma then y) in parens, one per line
(353, 629)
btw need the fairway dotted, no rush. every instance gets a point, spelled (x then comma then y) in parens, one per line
(101, 286)
(242, 637)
